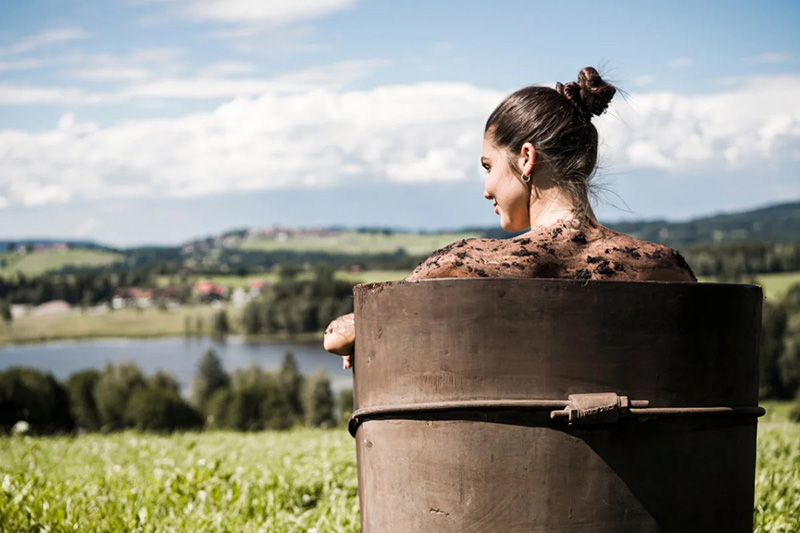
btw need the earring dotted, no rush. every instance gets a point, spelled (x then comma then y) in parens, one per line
(525, 178)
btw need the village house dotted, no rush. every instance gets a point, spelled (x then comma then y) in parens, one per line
(208, 291)
(132, 297)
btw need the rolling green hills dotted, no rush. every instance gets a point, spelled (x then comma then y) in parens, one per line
(35, 263)
(775, 223)
(356, 243)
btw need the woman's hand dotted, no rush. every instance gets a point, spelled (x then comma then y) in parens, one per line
(340, 335)
(340, 338)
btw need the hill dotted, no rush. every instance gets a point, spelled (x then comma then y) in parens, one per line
(9, 245)
(771, 224)
(373, 248)
(39, 262)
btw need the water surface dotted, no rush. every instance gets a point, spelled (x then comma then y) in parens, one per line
(176, 355)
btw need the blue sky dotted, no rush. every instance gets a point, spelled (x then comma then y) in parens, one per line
(154, 121)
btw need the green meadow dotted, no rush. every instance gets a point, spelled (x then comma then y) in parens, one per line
(78, 324)
(356, 243)
(295, 481)
(775, 285)
(38, 262)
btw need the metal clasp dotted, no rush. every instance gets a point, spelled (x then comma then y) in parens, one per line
(596, 408)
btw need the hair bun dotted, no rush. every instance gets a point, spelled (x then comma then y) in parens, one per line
(590, 94)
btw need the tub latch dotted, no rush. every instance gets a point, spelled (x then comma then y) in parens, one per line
(596, 408)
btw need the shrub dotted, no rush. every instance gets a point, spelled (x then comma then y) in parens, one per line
(30, 395)
(5, 311)
(164, 380)
(243, 411)
(210, 378)
(219, 324)
(114, 389)
(345, 404)
(258, 402)
(217, 409)
(773, 329)
(80, 389)
(251, 318)
(318, 399)
(291, 382)
(275, 409)
(789, 360)
(160, 409)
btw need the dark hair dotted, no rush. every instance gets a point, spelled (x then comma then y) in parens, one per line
(558, 123)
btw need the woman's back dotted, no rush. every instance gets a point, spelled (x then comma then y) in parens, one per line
(567, 250)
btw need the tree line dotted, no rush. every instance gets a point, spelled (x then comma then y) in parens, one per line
(87, 287)
(728, 261)
(121, 397)
(780, 347)
(733, 260)
(297, 306)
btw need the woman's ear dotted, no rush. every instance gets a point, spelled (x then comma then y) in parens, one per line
(526, 158)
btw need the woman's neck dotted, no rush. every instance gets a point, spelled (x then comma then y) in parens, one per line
(550, 206)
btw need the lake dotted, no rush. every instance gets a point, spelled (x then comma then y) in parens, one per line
(176, 355)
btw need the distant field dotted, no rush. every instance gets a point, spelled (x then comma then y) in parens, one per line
(778, 284)
(368, 276)
(36, 263)
(775, 285)
(129, 323)
(122, 323)
(373, 276)
(352, 242)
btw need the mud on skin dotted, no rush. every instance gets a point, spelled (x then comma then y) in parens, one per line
(585, 250)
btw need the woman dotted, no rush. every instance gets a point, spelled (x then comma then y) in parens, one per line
(540, 152)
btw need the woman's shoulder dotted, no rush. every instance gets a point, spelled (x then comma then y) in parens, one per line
(650, 260)
(464, 258)
(558, 251)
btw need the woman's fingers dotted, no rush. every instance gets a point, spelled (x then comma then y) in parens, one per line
(346, 362)
(340, 335)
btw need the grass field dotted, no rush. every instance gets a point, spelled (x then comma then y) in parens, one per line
(130, 323)
(352, 242)
(36, 263)
(271, 482)
(122, 323)
(774, 285)
(297, 481)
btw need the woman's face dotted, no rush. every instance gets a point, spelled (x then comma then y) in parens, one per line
(509, 194)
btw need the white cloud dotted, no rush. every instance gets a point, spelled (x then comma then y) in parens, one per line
(137, 66)
(401, 133)
(645, 79)
(144, 85)
(263, 11)
(758, 120)
(45, 38)
(404, 133)
(26, 95)
(768, 58)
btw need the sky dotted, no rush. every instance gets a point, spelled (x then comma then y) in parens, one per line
(156, 121)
